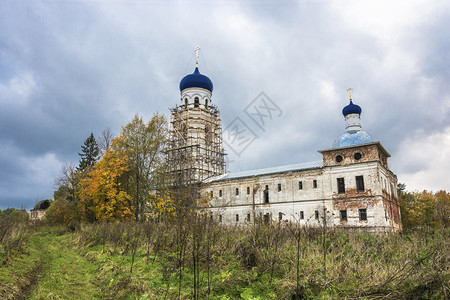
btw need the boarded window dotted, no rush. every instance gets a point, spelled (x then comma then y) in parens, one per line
(279, 187)
(300, 185)
(314, 183)
(363, 214)
(341, 185)
(359, 184)
(343, 215)
(302, 215)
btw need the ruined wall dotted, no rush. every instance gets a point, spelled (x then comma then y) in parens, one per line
(236, 201)
(368, 153)
(289, 201)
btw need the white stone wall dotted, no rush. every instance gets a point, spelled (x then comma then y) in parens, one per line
(291, 201)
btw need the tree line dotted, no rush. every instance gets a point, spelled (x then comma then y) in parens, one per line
(421, 210)
(115, 175)
(122, 178)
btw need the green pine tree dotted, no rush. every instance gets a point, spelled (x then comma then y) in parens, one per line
(89, 153)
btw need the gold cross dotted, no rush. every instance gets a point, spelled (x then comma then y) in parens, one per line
(349, 90)
(196, 55)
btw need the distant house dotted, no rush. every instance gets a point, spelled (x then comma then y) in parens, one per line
(38, 212)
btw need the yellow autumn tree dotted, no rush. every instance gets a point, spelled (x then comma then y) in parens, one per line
(443, 208)
(425, 209)
(162, 206)
(102, 196)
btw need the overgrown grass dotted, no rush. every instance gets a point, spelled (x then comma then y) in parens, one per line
(200, 260)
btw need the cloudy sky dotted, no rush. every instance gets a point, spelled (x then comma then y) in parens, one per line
(69, 68)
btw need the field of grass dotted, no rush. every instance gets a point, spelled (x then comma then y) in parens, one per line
(200, 260)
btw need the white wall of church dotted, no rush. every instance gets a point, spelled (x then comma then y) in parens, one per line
(295, 196)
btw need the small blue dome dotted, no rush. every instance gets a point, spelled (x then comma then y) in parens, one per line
(196, 80)
(354, 138)
(351, 109)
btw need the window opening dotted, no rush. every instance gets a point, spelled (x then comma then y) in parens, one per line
(237, 191)
(220, 193)
(237, 218)
(359, 184)
(208, 135)
(314, 183)
(300, 185)
(280, 216)
(363, 214)
(317, 215)
(341, 185)
(279, 187)
(248, 190)
(266, 219)
(357, 156)
(196, 102)
(302, 215)
(266, 196)
(343, 215)
(338, 158)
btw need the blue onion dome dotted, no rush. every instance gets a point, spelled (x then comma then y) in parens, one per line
(351, 109)
(196, 80)
(352, 138)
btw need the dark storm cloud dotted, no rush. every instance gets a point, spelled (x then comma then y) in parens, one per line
(68, 68)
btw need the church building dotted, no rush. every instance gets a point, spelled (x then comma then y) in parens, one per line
(351, 187)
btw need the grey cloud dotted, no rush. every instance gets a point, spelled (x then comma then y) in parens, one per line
(91, 65)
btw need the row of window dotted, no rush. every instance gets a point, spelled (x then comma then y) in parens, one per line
(359, 184)
(266, 190)
(356, 156)
(343, 215)
(340, 184)
(196, 102)
(362, 214)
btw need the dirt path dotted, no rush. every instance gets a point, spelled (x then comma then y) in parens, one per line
(65, 274)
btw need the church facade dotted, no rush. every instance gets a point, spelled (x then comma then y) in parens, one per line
(351, 187)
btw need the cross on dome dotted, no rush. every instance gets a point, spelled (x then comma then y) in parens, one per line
(349, 90)
(196, 55)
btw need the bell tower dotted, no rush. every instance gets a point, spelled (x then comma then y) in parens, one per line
(195, 150)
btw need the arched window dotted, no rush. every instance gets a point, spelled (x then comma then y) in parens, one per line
(196, 102)
(206, 103)
(185, 101)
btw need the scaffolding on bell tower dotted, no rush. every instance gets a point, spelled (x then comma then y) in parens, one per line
(195, 151)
